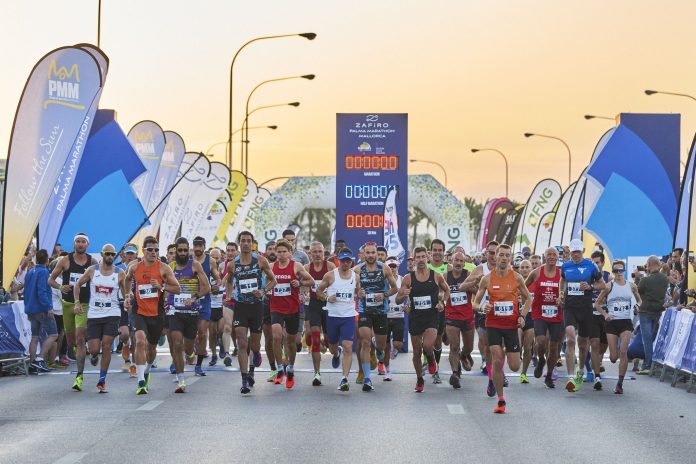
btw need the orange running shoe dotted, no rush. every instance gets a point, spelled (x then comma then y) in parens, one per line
(279, 378)
(500, 409)
(290, 380)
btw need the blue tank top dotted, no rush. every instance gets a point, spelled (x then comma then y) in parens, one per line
(188, 280)
(247, 278)
(373, 282)
(206, 269)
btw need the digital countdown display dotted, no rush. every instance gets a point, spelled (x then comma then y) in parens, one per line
(371, 160)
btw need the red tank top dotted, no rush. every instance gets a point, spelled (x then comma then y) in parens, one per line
(458, 307)
(503, 296)
(146, 296)
(544, 305)
(317, 276)
(285, 298)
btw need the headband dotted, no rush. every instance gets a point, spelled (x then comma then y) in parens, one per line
(81, 236)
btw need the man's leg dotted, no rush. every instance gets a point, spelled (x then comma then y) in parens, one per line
(365, 340)
(453, 336)
(527, 347)
(417, 346)
(647, 329)
(202, 332)
(570, 350)
(177, 340)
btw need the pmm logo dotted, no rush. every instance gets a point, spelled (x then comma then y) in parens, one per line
(144, 142)
(63, 86)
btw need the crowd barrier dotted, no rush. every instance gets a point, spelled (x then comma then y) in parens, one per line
(15, 335)
(674, 348)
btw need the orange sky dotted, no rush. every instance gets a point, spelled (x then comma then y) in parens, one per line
(469, 73)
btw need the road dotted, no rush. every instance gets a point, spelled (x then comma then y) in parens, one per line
(43, 421)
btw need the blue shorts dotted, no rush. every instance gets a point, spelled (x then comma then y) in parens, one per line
(206, 311)
(42, 324)
(340, 329)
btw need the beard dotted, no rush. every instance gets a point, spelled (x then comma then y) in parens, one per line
(181, 260)
(109, 261)
(198, 253)
(271, 257)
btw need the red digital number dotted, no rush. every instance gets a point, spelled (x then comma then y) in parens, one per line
(364, 221)
(371, 163)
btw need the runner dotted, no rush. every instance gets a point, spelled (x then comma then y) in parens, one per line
(503, 318)
(228, 310)
(72, 267)
(314, 310)
(598, 258)
(425, 290)
(438, 264)
(617, 311)
(171, 252)
(548, 319)
(459, 321)
(103, 311)
(149, 277)
(216, 325)
(377, 284)
(285, 309)
(527, 332)
(245, 281)
(578, 276)
(267, 330)
(395, 322)
(212, 275)
(339, 288)
(126, 336)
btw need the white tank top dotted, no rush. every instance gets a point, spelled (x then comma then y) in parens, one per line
(103, 299)
(215, 300)
(619, 301)
(395, 311)
(344, 290)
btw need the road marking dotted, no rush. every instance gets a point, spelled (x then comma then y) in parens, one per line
(70, 458)
(192, 380)
(456, 409)
(149, 406)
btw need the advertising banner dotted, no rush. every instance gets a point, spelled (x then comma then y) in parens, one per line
(543, 199)
(392, 241)
(202, 199)
(556, 237)
(237, 221)
(148, 140)
(211, 221)
(236, 189)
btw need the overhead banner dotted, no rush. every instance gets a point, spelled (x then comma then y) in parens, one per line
(237, 221)
(543, 199)
(59, 97)
(391, 239)
(202, 199)
(148, 140)
(556, 237)
(236, 189)
(194, 168)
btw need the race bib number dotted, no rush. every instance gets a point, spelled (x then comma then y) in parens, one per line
(102, 297)
(248, 285)
(181, 299)
(344, 296)
(147, 291)
(503, 308)
(574, 289)
(422, 302)
(621, 310)
(281, 290)
(371, 300)
(74, 277)
(458, 298)
(316, 285)
(549, 311)
(395, 309)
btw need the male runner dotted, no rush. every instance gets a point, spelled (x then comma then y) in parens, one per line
(267, 331)
(459, 321)
(425, 290)
(578, 276)
(149, 278)
(217, 325)
(72, 267)
(395, 322)
(437, 263)
(285, 309)
(130, 254)
(297, 253)
(171, 253)
(228, 338)
(526, 334)
(598, 258)
(381, 254)
(314, 310)
(245, 280)
(210, 269)
(103, 313)
(339, 289)
(503, 317)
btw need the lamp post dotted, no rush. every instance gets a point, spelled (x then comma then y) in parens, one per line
(432, 162)
(507, 171)
(306, 35)
(245, 133)
(531, 134)
(592, 116)
(226, 142)
(245, 123)
(653, 92)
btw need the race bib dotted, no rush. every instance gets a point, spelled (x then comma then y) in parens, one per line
(147, 291)
(344, 296)
(549, 311)
(503, 308)
(459, 298)
(395, 309)
(281, 290)
(180, 299)
(370, 300)
(574, 289)
(422, 302)
(248, 285)
(316, 285)
(621, 310)
(102, 297)
(74, 277)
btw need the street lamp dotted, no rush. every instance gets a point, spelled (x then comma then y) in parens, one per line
(306, 35)
(475, 150)
(653, 92)
(592, 116)
(435, 163)
(530, 134)
(245, 134)
(226, 142)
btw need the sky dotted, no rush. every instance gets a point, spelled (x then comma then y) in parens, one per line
(470, 74)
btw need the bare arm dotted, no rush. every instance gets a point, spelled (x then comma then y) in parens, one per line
(203, 283)
(86, 277)
(471, 283)
(531, 278)
(171, 285)
(62, 266)
(444, 289)
(392, 281)
(482, 288)
(326, 281)
(601, 299)
(636, 295)
(405, 290)
(305, 278)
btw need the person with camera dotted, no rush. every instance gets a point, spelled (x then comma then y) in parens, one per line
(652, 289)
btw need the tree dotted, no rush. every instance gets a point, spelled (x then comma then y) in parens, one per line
(316, 224)
(415, 217)
(475, 212)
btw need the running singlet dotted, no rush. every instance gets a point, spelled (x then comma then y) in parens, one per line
(504, 298)
(458, 307)
(103, 301)
(441, 269)
(395, 311)
(619, 301)
(285, 298)
(247, 279)
(317, 276)
(188, 281)
(574, 275)
(595, 293)
(146, 296)
(545, 302)
(215, 299)
(344, 290)
(206, 269)
(424, 295)
(373, 282)
(72, 275)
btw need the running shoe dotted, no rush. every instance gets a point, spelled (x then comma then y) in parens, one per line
(506, 382)
(126, 367)
(643, 371)
(199, 371)
(523, 378)
(40, 366)
(272, 376)
(290, 380)
(597, 384)
(455, 382)
(147, 380)
(432, 365)
(257, 359)
(359, 379)
(181, 387)
(466, 363)
(344, 385)
(101, 386)
(420, 385)
(64, 361)
(94, 359)
(234, 351)
(191, 359)
(77, 385)
(336, 359)
(559, 363)
(578, 379)
(373, 361)
(387, 376)
(279, 377)
(367, 386)
(380, 369)
(571, 386)
(227, 361)
(154, 362)
(133, 371)
(245, 389)
(539, 369)
(436, 378)
(213, 361)
(484, 370)
(250, 379)
(490, 390)
(548, 382)
(589, 377)
(618, 389)
(394, 353)
(316, 381)
(500, 409)
(535, 360)
(141, 389)
(172, 368)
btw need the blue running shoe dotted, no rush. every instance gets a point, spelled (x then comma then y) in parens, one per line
(336, 359)
(213, 361)
(589, 377)
(490, 391)
(172, 369)
(257, 359)
(199, 371)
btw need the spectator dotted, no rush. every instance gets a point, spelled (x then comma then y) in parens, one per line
(652, 289)
(38, 306)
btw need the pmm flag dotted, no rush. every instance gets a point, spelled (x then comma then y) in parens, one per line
(53, 111)
(203, 198)
(148, 140)
(542, 200)
(392, 242)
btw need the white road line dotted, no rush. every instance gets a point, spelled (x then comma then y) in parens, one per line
(456, 409)
(149, 406)
(191, 380)
(71, 458)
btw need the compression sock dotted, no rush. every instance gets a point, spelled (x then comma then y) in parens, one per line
(438, 353)
(366, 370)
(199, 360)
(102, 376)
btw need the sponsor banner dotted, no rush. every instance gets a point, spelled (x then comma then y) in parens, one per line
(508, 227)
(237, 221)
(498, 217)
(681, 230)
(203, 198)
(392, 241)
(148, 140)
(572, 211)
(235, 189)
(10, 340)
(556, 237)
(544, 198)
(487, 231)
(261, 196)
(194, 168)
(211, 222)
(53, 120)
(484, 221)
(543, 236)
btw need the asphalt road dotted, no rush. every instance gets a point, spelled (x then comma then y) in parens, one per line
(43, 421)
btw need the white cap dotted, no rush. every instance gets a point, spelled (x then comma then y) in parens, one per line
(576, 245)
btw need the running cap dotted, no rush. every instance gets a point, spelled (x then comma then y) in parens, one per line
(576, 245)
(526, 251)
(345, 254)
(130, 248)
(199, 241)
(391, 261)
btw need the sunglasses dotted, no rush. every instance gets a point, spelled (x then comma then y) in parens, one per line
(152, 250)
(618, 271)
(109, 253)
(182, 250)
